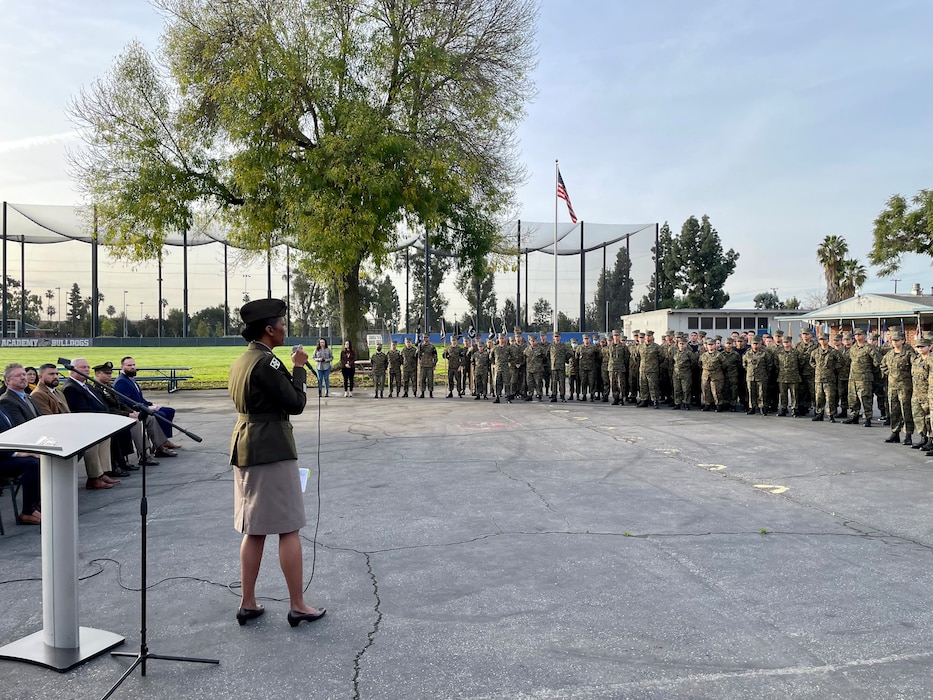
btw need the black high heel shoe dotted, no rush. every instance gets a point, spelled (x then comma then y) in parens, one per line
(244, 614)
(294, 618)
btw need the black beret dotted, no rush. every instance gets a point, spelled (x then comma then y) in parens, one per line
(262, 309)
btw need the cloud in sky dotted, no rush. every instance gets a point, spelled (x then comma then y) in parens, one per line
(784, 122)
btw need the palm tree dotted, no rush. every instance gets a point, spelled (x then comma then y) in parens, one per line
(832, 256)
(852, 275)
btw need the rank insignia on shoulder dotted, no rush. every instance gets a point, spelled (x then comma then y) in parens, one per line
(274, 363)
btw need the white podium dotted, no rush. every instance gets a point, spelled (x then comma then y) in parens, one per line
(61, 644)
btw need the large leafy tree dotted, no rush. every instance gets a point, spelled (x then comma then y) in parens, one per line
(615, 287)
(902, 228)
(437, 302)
(321, 124)
(704, 265)
(466, 283)
(664, 278)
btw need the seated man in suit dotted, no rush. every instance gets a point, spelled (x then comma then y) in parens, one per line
(122, 443)
(24, 465)
(15, 401)
(160, 431)
(83, 398)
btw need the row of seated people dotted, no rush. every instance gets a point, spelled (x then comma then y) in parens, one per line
(105, 463)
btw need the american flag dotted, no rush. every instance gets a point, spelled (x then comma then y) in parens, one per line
(562, 194)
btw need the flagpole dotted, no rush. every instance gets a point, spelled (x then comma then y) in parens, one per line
(556, 176)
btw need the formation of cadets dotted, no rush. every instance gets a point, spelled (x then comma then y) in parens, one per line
(825, 379)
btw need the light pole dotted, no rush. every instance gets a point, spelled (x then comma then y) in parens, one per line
(125, 292)
(140, 319)
(245, 288)
(59, 289)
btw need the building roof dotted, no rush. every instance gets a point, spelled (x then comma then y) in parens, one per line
(880, 306)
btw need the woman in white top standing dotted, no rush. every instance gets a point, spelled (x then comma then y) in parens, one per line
(323, 358)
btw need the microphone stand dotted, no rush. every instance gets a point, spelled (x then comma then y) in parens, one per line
(143, 654)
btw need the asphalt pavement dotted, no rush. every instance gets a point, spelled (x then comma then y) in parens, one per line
(525, 550)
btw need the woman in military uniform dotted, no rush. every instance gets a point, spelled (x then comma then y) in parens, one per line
(267, 488)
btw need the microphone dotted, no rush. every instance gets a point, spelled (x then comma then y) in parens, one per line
(307, 363)
(66, 364)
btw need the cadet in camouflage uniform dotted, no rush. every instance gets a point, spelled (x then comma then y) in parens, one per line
(732, 364)
(456, 365)
(920, 400)
(863, 360)
(395, 369)
(683, 362)
(825, 362)
(788, 364)
(469, 348)
(772, 347)
(604, 385)
(546, 346)
(410, 368)
(842, 344)
(649, 372)
(879, 384)
(634, 363)
(618, 368)
(573, 370)
(427, 361)
(711, 376)
(896, 367)
(502, 361)
(757, 363)
(380, 364)
(589, 358)
(559, 355)
(535, 360)
(517, 369)
(481, 363)
(806, 390)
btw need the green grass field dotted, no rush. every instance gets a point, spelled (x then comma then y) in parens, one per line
(209, 365)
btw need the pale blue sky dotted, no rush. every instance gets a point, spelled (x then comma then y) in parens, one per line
(784, 121)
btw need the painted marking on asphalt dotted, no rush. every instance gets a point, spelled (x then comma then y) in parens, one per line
(713, 467)
(488, 425)
(667, 450)
(772, 488)
(581, 417)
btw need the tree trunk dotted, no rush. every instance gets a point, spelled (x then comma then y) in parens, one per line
(351, 321)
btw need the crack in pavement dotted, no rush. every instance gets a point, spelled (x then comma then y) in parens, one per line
(371, 637)
(535, 492)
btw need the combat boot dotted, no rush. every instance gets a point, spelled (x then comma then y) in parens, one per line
(750, 412)
(842, 413)
(851, 421)
(657, 404)
(832, 418)
(497, 400)
(817, 417)
(893, 437)
(908, 440)
(685, 406)
(924, 444)
(477, 398)
(867, 423)
(782, 412)
(553, 399)
(675, 407)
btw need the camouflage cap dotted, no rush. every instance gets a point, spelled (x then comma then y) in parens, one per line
(728, 341)
(651, 333)
(847, 336)
(924, 343)
(641, 334)
(824, 336)
(858, 331)
(709, 341)
(778, 333)
(875, 335)
(755, 339)
(614, 332)
(702, 334)
(806, 331)
(895, 335)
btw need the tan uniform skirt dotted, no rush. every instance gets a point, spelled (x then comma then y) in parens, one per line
(268, 499)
